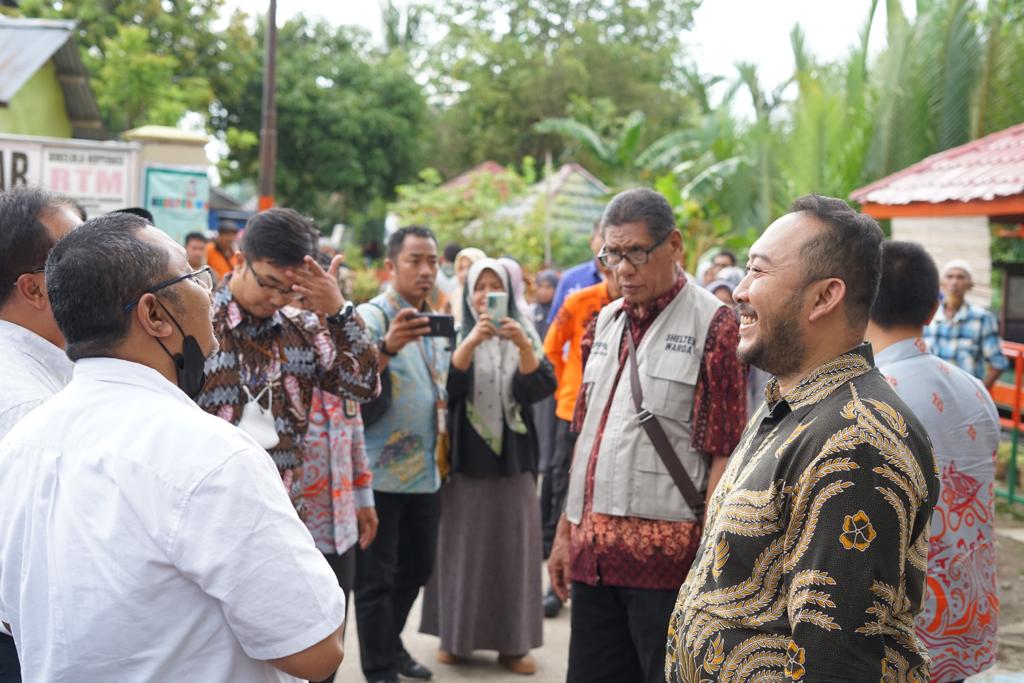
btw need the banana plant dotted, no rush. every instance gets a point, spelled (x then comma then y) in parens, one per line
(620, 151)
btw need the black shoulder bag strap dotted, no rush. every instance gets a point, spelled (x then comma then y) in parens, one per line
(657, 435)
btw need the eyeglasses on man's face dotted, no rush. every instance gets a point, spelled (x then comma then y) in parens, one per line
(637, 257)
(203, 277)
(284, 291)
(34, 271)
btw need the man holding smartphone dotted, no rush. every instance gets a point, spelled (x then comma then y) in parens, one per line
(407, 448)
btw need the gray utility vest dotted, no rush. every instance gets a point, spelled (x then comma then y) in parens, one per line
(630, 479)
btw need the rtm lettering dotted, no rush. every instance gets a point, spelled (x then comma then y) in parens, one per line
(86, 181)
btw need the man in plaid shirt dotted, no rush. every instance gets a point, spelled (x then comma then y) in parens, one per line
(962, 333)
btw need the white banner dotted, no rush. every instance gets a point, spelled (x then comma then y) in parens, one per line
(101, 176)
(98, 179)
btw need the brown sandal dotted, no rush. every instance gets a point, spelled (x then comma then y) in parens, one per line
(524, 665)
(446, 657)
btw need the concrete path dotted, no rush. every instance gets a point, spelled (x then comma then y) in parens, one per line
(551, 659)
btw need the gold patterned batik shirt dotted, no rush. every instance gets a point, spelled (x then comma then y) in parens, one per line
(813, 560)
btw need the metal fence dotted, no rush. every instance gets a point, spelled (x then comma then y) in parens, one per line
(1008, 397)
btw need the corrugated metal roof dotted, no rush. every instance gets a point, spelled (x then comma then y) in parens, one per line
(982, 170)
(575, 200)
(26, 45)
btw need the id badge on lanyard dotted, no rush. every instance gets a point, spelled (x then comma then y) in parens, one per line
(442, 417)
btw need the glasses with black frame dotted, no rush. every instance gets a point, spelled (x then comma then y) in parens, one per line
(637, 257)
(34, 271)
(266, 285)
(203, 277)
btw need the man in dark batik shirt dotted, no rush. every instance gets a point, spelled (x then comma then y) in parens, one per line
(813, 560)
(284, 330)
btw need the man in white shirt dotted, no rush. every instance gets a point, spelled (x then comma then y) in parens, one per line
(142, 539)
(33, 366)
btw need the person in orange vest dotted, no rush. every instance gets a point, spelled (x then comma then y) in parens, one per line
(220, 252)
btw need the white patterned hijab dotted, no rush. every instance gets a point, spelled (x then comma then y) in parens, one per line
(495, 363)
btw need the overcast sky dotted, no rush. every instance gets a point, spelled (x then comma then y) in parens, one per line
(725, 31)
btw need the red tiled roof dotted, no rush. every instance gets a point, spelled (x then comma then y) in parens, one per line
(982, 170)
(490, 167)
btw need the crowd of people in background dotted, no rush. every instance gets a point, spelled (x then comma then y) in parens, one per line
(209, 450)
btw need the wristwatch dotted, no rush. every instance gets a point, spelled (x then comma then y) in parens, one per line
(382, 346)
(343, 314)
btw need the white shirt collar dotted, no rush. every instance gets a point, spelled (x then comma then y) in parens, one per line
(120, 371)
(31, 345)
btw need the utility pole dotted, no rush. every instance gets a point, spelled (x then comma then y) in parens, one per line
(268, 129)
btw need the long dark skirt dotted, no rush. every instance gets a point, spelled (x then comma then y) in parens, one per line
(485, 592)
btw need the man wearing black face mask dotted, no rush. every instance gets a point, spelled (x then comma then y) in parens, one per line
(181, 556)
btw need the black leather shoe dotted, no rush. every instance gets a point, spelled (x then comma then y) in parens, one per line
(410, 668)
(552, 605)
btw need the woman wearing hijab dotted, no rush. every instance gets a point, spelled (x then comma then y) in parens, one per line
(545, 285)
(487, 580)
(463, 262)
(518, 285)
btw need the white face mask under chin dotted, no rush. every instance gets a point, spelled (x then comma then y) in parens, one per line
(257, 421)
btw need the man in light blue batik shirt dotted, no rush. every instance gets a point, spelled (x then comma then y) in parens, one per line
(406, 449)
(959, 620)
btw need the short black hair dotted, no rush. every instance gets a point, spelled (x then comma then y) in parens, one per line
(728, 254)
(640, 205)
(24, 240)
(282, 236)
(397, 239)
(95, 271)
(195, 236)
(850, 248)
(452, 251)
(909, 288)
(229, 226)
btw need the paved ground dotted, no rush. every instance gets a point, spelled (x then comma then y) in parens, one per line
(551, 659)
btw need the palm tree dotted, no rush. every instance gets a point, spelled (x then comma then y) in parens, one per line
(620, 151)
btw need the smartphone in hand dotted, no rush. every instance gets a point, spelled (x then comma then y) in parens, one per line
(441, 325)
(497, 307)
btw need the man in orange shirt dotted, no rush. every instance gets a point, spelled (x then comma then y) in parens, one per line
(220, 252)
(562, 345)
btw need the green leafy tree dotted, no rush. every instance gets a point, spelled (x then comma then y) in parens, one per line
(503, 65)
(140, 87)
(350, 123)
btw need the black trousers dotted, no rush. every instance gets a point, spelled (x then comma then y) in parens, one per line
(390, 573)
(555, 485)
(344, 567)
(618, 634)
(10, 669)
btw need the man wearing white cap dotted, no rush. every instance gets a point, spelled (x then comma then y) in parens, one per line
(962, 333)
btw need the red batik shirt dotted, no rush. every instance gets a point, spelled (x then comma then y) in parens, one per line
(631, 552)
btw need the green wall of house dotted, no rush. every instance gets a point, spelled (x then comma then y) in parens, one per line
(38, 107)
